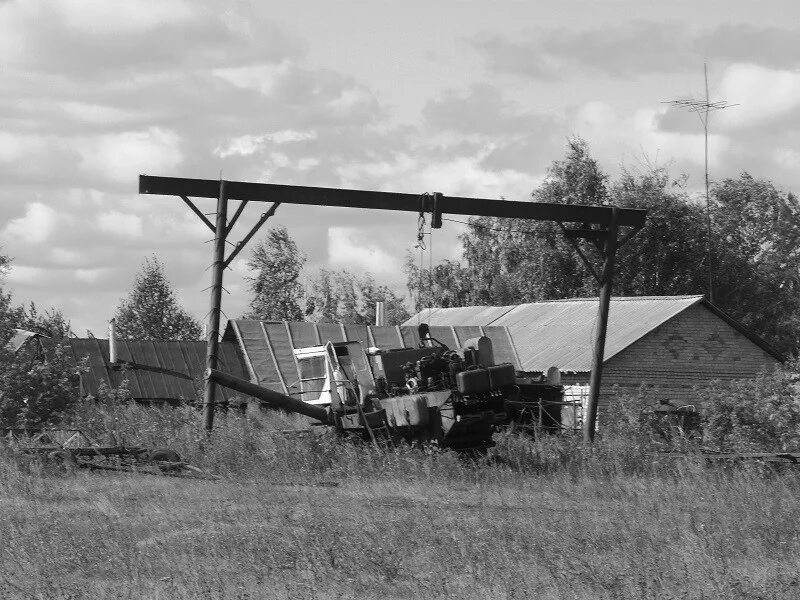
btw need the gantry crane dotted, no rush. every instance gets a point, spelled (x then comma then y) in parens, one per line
(600, 225)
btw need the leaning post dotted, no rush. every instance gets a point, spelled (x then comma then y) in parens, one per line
(212, 342)
(606, 281)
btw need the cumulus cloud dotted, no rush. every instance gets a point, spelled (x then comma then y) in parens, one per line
(120, 157)
(762, 94)
(36, 226)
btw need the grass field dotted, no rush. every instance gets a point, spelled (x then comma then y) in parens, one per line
(315, 518)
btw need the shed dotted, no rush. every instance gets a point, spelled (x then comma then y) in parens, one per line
(668, 343)
(156, 371)
(267, 347)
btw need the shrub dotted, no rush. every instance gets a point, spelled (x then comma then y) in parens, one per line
(753, 415)
(36, 392)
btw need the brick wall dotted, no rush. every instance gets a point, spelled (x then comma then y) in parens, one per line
(691, 349)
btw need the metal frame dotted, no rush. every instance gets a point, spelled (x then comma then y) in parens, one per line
(597, 224)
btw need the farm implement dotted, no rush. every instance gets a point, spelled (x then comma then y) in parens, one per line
(455, 399)
(71, 449)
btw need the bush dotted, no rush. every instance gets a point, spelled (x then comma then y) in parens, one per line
(753, 415)
(36, 392)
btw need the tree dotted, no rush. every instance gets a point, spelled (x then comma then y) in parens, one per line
(34, 390)
(667, 257)
(517, 260)
(371, 293)
(51, 322)
(151, 310)
(446, 285)
(276, 287)
(339, 296)
(757, 258)
(9, 315)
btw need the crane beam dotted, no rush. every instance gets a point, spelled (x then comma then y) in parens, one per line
(365, 199)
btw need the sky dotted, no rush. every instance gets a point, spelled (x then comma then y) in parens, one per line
(467, 98)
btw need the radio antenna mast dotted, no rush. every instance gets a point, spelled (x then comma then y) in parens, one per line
(703, 108)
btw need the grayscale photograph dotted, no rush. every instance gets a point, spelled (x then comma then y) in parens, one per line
(417, 300)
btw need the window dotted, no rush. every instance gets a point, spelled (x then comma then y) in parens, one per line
(312, 367)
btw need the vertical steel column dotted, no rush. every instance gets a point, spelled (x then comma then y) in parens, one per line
(217, 269)
(606, 281)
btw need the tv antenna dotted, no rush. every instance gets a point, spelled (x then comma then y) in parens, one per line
(703, 108)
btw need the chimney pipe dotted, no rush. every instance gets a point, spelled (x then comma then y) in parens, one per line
(380, 313)
(112, 342)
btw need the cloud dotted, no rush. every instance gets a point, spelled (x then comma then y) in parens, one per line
(635, 48)
(90, 275)
(246, 145)
(348, 247)
(134, 37)
(120, 157)
(762, 94)
(482, 109)
(263, 78)
(27, 274)
(120, 224)
(38, 224)
(787, 158)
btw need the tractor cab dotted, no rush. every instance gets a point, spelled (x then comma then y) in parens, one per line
(334, 372)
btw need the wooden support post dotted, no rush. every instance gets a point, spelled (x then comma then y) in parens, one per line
(217, 269)
(606, 281)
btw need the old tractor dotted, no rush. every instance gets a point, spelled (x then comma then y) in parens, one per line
(430, 394)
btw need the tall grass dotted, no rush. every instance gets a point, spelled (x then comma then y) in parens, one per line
(307, 515)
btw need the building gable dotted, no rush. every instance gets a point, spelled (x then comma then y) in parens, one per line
(693, 348)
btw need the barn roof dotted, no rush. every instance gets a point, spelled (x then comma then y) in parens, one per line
(268, 346)
(561, 332)
(155, 370)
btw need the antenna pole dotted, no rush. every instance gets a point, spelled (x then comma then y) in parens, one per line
(703, 108)
(709, 239)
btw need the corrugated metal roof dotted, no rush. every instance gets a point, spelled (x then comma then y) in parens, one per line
(465, 315)
(154, 370)
(267, 346)
(19, 338)
(561, 332)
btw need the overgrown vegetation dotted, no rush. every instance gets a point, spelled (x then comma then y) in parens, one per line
(310, 516)
(33, 391)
